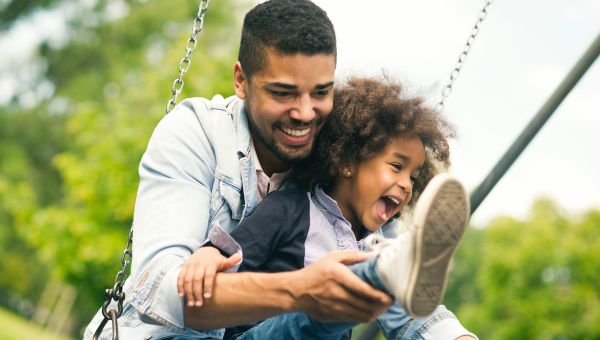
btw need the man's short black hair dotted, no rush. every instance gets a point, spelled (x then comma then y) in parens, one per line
(287, 26)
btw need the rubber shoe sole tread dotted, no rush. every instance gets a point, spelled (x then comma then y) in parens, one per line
(441, 220)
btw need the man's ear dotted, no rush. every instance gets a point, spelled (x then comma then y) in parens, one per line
(240, 81)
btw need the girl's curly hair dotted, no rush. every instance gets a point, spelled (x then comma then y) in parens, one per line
(367, 114)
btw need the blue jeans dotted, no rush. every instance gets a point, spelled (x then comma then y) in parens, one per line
(301, 326)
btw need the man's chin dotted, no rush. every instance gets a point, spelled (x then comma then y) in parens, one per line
(293, 154)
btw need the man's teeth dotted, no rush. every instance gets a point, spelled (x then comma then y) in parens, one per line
(294, 132)
(393, 200)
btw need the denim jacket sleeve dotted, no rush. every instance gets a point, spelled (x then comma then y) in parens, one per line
(172, 208)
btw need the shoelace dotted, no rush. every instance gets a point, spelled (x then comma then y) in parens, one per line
(376, 242)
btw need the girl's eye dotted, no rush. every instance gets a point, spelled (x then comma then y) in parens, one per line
(413, 179)
(397, 167)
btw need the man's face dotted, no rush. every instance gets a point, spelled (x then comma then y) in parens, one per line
(287, 102)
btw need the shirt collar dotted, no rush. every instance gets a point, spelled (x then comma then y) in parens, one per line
(328, 203)
(265, 183)
(332, 209)
(257, 165)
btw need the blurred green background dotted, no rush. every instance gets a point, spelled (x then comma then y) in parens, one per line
(74, 129)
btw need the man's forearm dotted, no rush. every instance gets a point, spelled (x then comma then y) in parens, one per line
(240, 298)
(325, 290)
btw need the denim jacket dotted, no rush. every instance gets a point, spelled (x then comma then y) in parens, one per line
(197, 172)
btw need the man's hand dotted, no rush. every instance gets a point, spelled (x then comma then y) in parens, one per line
(328, 290)
(197, 275)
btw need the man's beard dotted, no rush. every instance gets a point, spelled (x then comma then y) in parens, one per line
(276, 149)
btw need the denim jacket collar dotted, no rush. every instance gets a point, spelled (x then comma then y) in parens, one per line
(240, 123)
(248, 171)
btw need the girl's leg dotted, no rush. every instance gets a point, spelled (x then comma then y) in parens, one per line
(413, 266)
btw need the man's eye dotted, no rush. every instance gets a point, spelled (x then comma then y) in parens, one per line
(321, 93)
(281, 93)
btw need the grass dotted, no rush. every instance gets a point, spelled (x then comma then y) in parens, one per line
(15, 327)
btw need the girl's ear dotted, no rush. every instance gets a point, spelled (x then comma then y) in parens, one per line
(348, 171)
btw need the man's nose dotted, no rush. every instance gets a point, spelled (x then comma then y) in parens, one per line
(303, 110)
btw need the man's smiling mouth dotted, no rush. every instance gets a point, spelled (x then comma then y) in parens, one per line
(295, 132)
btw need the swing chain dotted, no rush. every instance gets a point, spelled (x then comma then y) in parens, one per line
(125, 260)
(185, 62)
(116, 293)
(463, 55)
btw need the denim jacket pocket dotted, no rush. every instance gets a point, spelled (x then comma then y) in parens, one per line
(226, 206)
(233, 198)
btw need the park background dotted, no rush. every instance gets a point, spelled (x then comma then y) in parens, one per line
(83, 83)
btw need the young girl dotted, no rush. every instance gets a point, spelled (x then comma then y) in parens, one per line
(374, 156)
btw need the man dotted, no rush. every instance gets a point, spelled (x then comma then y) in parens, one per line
(210, 163)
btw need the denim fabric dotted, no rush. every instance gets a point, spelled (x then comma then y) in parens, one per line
(197, 172)
(394, 323)
(296, 326)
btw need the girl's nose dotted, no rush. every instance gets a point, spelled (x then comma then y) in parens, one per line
(405, 183)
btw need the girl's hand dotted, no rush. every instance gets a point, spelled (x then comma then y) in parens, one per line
(197, 275)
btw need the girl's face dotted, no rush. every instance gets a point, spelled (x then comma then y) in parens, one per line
(377, 189)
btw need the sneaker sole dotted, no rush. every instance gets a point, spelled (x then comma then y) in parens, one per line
(441, 217)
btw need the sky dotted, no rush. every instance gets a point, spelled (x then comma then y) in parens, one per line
(523, 51)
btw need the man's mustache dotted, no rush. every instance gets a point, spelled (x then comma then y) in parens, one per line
(297, 124)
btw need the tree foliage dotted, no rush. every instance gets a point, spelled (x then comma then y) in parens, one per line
(28, 141)
(536, 278)
(68, 167)
(68, 176)
(12, 10)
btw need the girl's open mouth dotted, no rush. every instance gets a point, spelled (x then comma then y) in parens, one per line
(386, 207)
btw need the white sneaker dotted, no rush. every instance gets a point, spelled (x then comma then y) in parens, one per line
(414, 266)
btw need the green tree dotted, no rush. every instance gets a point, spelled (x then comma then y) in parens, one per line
(536, 278)
(28, 141)
(112, 81)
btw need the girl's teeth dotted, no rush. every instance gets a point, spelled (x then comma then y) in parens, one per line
(394, 200)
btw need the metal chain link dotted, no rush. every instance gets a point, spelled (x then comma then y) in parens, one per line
(463, 55)
(116, 293)
(185, 62)
(125, 260)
